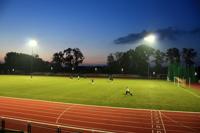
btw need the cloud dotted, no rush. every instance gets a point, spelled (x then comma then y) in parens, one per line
(133, 37)
(169, 33)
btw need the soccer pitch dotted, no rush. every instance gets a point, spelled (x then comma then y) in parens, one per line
(147, 94)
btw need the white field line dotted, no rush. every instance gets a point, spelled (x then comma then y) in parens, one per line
(162, 121)
(122, 108)
(56, 125)
(67, 109)
(191, 93)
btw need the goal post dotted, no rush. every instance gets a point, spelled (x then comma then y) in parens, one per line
(180, 82)
(181, 74)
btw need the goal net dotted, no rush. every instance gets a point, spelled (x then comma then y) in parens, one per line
(180, 82)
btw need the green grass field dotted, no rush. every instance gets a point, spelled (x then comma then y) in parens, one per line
(149, 94)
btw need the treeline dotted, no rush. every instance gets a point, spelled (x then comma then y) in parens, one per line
(145, 60)
(21, 63)
(66, 61)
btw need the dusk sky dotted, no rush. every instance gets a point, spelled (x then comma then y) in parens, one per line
(97, 27)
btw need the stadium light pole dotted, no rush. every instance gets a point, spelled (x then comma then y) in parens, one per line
(32, 44)
(150, 40)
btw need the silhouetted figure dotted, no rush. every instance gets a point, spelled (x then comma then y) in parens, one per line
(128, 91)
(92, 80)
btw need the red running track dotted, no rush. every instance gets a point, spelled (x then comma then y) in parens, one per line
(45, 117)
(196, 85)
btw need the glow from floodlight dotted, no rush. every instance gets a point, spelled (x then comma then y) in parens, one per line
(195, 74)
(150, 38)
(33, 43)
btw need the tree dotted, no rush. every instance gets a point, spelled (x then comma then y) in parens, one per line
(110, 59)
(159, 60)
(68, 58)
(173, 55)
(142, 58)
(20, 62)
(132, 61)
(188, 54)
(72, 57)
(57, 61)
(77, 57)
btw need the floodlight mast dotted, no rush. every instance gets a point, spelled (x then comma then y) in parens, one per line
(32, 44)
(150, 40)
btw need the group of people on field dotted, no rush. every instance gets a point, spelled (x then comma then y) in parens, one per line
(127, 90)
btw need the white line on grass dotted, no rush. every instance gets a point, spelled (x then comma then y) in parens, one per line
(186, 90)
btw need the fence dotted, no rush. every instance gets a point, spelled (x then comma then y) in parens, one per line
(26, 126)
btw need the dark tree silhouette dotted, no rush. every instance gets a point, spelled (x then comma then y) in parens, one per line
(20, 62)
(110, 59)
(57, 61)
(68, 58)
(173, 55)
(132, 61)
(188, 54)
(159, 60)
(72, 57)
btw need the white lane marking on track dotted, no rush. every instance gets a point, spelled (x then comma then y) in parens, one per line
(55, 125)
(131, 122)
(96, 105)
(177, 122)
(67, 109)
(162, 121)
(41, 110)
(152, 130)
(85, 111)
(88, 113)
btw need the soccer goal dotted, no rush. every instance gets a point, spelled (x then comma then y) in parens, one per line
(180, 82)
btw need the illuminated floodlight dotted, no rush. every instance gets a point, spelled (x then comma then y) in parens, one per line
(33, 43)
(195, 73)
(154, 73)
(150, 38)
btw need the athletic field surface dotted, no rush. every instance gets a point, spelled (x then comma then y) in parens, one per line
(51, 117)
(147, 94)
